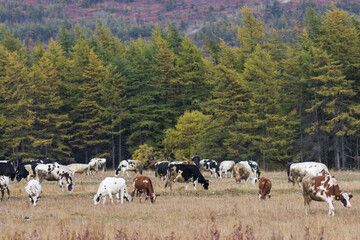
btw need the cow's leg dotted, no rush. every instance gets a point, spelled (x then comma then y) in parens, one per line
(8, 192)
(111, 198)
(122, 192)
(133, 193)
(331, 208)
(117, 196)
(28, 177)
(194, 183)
(2, 194)
(104, 198)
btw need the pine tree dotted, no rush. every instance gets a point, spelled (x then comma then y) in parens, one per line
(87, 131)
(17, 117)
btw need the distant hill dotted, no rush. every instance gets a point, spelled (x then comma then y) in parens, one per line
(41, 19)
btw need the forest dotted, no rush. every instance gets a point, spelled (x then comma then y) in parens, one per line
(88, 93)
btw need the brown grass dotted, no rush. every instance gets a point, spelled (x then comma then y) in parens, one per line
(225, 211)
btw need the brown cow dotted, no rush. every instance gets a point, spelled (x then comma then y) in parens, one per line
(142, 184)
(264, 188)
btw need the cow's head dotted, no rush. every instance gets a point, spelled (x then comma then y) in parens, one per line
(97, 199)
(153, 197)
(206, 185)
(344, 198)
(21, 172)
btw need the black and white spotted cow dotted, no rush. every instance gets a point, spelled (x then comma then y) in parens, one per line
(129, 165)
(27, 169)
(185, 174)
(210, 165)
(255, 167)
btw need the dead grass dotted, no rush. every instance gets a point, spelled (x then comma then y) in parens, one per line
(225, 211)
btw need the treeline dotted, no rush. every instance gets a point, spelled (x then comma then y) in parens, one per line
(89, 94)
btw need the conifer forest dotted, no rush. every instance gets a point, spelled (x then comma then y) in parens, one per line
(248, 93)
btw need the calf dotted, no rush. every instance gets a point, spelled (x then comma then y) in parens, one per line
(7, 169)
(242, 170)
(323, 188)
(4, 184)
(109, 186)
(143, 184)
(210, 165)
(135, 166)
(264, 188)
(297, 171)
(225, 166)
(33, 190)
(185, 174)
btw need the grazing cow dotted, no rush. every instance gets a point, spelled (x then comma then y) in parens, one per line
(109, 186)
(80, 168)
(324, 188)
(297, 171)
(7, 169)
(264, 188)
(210, 165)
(188, 163)
(135, 166)
(225, 166)
(33, 190)
(4, 184)
(242, 170)
(65, 179)
(185, 174)
(55, 172)
(161, 169)
(97, 163)
(143, 184)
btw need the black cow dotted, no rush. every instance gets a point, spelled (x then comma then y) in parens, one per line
(161, 169)
(7, 169)
(210, 165)
(185, 173)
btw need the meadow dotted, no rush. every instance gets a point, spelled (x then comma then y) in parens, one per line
(225, 211)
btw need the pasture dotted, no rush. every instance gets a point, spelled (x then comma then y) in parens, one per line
(225, 211)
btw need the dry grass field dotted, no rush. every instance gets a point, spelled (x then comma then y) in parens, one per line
(226, 211)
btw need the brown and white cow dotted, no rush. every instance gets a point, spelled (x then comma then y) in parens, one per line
(143, 184)
(264, 188)
(4, 184)
(243, 171)
(324, 188)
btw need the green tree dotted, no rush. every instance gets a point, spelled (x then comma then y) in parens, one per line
(182, 141)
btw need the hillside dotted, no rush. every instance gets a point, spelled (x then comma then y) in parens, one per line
(40, 19)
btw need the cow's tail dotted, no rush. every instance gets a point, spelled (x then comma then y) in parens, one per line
(288, 171)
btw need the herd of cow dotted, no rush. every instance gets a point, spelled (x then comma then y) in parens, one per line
(314, 178)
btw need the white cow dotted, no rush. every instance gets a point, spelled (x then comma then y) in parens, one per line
(109, 186)
(297, 171)
(33, 189)
(80, 168)
(225, 166)
(4, 184)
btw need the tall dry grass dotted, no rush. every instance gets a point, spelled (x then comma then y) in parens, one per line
(226, 211)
